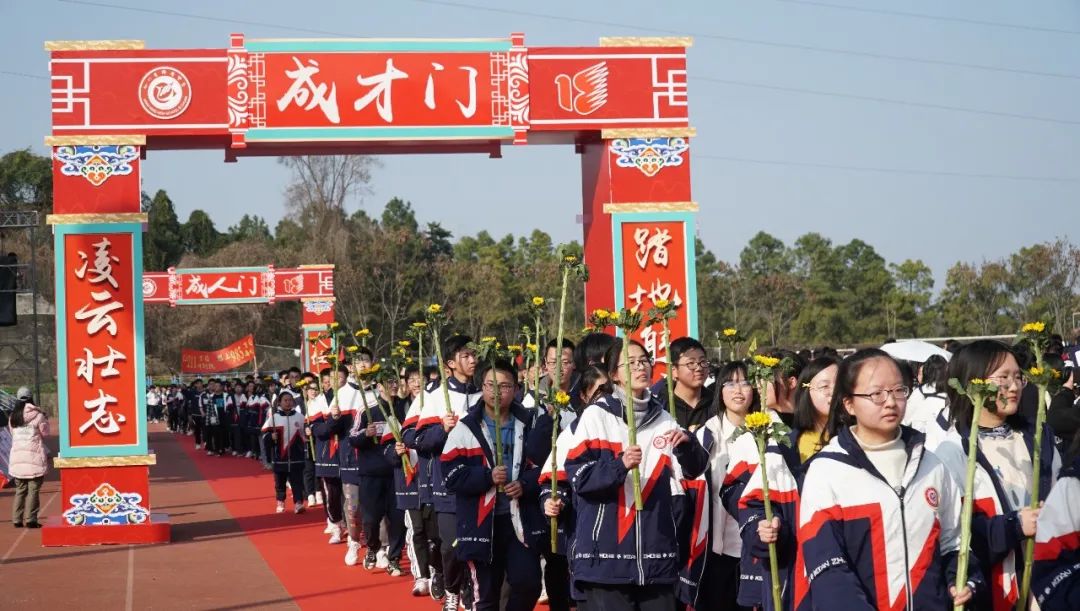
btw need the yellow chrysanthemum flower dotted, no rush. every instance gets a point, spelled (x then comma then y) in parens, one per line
(334, 326)
(532, 347)
(1036, 327)
(661, 303)
(352, 349)
(766, 361)
(561, 398)
(757, 421)
(613, 318)
(419, 325)
(487, 340)
(1035, 371)
(571, 259)
(601, 313)
(730, 332)
(977, 381)
(434, 308)
(363, 332)
(514, 347)
(404, 343)
(538, 301)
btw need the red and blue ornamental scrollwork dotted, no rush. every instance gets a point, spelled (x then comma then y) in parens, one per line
(106, 506)
(650, 155)
(96, 163)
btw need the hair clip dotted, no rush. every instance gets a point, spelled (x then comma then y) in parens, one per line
(806, 384)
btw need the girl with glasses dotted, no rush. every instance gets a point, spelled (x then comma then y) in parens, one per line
(1001, 520)
(879, 515)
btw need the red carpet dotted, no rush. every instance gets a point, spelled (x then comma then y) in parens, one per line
(294, 547)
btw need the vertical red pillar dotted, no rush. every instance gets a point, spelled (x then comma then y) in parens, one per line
(315, 318)
(104, 457)
(639, 228)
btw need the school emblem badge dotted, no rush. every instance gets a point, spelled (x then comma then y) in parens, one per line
(659, 442)
(932, 497)
(164, 92)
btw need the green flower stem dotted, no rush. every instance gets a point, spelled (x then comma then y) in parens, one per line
(442, 370)
(395, 430)
(773, 568)
(1036, 457)
(555, 406)
(635, 473)
(420, 357)
(539, 349)
(670, 367)
(969, 492)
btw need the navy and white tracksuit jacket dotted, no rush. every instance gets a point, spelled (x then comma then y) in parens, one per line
(348, 456)
(868, 546)
(467, 460)
(289, 453)
(430, 436)
(406, 490)
(422, 460)
(996, 535)
(1055, 580)
(615, 544)
(325, 436)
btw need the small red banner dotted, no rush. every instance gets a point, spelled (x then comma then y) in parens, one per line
(216, 361)
(240, 285)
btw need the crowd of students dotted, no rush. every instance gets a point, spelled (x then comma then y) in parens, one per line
(866, 498)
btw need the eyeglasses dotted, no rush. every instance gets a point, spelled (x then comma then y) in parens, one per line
(878, 397)
(702, 365)
(824, 388)
(1017, 380)
(502, 387)
(553, 362)
(638, 364)
(740, 385)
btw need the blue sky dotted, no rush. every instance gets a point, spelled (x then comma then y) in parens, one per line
(973, 154)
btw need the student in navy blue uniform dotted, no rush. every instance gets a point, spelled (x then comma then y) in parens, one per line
(327, 441)
(376, 488)
(879, 515)
(193, 418)
(1055, 580)
(284, 442)
(236, 413)
(498, 513)
(623, 558)
(423, 557)
(217, 405)
(424, 520)
(432, 430)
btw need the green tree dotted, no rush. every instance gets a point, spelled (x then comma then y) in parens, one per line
(865, 288)
(908, 312)
(199, 235)
(975, 300)
(163, 244)
(25, 181)
(250, 228)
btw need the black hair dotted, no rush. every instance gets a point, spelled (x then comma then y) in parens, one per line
(781, 376)
(1025, 356)
(310, 377)
(364, 351)
(294, 369)
(589, 377)
(845, 386)
(683, 345)
(429, 370)
(503, 365)
(325, 371)
(907, 371)
(953, 346)
(935, 372)
(18, 418)
(727, 374)
(410, 369)
(611, 359)
(976, 360)
(453, 345)
(826, 351)
(566, 343)
(805, 416)
(284, 373)
(592, 350)
(805, 354)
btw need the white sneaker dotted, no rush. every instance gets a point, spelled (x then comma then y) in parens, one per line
(352, 555)
(336, 537)
(280, 507)
(381, 559)
(250, 455)
(318, 498)
(209, 453)
(198, 446)
(311, 500)
(288, 485)
(298, 508)
(330, 527)
(420, 587)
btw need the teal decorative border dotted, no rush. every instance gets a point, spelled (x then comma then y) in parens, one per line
(308, 134)
(374, 45)
(140, 447)
(689, 234)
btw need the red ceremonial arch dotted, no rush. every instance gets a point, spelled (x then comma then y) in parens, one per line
(622, 105)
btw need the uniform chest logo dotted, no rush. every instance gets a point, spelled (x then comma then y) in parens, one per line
(164, 92)
(659, 442)
(932, 497)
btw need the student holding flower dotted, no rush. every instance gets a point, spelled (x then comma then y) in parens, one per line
(1002, 519)
(879, 515)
